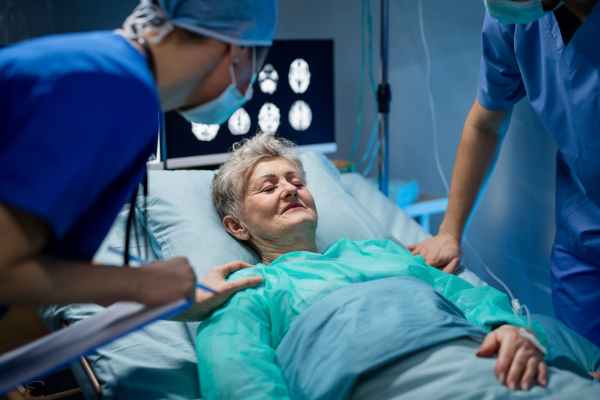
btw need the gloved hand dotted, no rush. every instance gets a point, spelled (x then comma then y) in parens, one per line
(519, 363)
(442, 251)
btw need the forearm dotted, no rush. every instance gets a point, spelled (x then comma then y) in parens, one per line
(477, 154)
(48, 280)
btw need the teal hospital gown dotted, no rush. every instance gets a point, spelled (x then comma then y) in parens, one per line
(236, 346)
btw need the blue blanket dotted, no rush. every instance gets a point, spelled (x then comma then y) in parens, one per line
(364, 326)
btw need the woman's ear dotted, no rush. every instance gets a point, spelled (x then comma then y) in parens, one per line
(233, 226)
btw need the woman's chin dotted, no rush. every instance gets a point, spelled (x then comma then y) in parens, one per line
(300, 219)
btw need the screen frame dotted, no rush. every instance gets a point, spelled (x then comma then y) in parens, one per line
(220, 158)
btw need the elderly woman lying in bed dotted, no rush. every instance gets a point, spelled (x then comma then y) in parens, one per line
(361, 320)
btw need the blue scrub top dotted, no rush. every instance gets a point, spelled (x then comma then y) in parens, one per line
(561, 82)
(78, 121)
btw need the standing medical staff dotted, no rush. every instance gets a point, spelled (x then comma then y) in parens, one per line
(78, 121)
(548, 50)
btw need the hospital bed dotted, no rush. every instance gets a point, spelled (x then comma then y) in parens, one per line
(159, 361)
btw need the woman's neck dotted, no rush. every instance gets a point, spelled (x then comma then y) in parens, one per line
(269, 251)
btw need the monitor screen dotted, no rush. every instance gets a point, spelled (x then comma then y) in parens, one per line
(293, 96)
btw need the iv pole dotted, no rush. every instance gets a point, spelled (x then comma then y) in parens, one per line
(384, 97)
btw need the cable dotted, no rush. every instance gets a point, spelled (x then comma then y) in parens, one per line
(369, 146)
(431, 104)
(365, 15)
(362, 82)
(366, 171)
(435, 143)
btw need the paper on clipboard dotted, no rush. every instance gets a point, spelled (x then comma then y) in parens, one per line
(64, 346)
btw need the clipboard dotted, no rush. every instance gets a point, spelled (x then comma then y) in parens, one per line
(65, 346)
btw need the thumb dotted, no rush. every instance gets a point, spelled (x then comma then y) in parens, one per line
(452, 266)
(490, 345)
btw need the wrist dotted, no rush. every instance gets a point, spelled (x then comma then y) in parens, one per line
(455, 236)
(134, 284)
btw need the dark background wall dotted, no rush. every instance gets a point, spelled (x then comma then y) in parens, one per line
(513, 228)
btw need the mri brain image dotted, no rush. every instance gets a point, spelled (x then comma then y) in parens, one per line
(204, 132)
(299, 76)
(239, 123)
(269, 117)
(300, 115)
(268, 79)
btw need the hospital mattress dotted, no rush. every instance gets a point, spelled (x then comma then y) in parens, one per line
(159, 361)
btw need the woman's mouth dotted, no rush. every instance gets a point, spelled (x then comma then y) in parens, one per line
(291, 206)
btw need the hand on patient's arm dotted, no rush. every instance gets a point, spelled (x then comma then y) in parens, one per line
(207, 302)
(440, 251)
(519, 363)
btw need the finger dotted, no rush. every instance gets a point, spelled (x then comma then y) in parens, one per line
(490, 345)
(506, 353)
(246, 283)
(531, 372)
(452, 266)
(230, 268)
(411, 247)
(435, 260)
(517, 368)
(542, 377)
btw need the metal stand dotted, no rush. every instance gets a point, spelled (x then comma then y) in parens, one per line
(384, 97)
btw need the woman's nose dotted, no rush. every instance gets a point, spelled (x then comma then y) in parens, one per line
(289, 190)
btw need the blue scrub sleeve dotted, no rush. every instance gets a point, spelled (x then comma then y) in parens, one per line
(76, 152)
(500, 82)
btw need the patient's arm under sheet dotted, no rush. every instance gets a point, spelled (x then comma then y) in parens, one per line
(236, 346)
(236, 359)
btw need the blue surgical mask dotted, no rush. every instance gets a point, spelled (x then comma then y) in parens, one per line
(219, 110)
(510, 12)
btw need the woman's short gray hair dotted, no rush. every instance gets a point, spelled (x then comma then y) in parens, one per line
(229, 183)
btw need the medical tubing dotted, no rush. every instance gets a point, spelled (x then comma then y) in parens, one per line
(366, 171)
(489, 271)
(528, 315)
(369, 146)
(435, 138)
(431, 103)
(366, 5)
(362, 82)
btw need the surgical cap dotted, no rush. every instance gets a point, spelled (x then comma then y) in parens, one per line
(240, 22)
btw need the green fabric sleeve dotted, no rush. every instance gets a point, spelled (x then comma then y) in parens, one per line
(236, 358)
(484, 306)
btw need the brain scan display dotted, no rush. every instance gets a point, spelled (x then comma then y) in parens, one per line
(268, 79)
(239, 123)
(204, 132)
(300, 115)
(299, 76)
(269, 117)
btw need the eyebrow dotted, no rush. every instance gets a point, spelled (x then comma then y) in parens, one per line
(275, 176)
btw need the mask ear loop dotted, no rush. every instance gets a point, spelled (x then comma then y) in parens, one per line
(252, 79)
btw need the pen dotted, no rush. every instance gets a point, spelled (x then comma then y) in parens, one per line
(145, 262)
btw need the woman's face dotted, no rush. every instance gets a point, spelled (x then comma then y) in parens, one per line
(277, 205)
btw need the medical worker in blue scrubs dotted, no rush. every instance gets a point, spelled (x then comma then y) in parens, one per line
(549, 51)
(78, 121)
